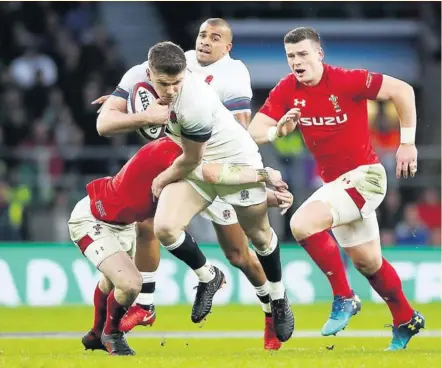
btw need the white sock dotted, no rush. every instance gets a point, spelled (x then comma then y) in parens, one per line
(277, 290)
(263, 290)
(205, 273)
(146, 298)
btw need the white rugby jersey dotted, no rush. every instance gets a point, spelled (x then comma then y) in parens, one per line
(199, 115)
(228, 77)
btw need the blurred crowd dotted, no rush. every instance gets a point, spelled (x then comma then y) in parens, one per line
(56, 57)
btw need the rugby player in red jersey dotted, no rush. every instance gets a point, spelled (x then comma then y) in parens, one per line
(102, 225)
(329, 106)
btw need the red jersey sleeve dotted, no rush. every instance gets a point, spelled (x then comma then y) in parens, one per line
(361, 83)
(275, 105)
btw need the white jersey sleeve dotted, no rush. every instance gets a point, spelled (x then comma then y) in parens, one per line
(197, 124)
(237, 95)
(134, 75)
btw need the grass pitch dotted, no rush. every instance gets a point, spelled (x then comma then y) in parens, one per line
(195, 351)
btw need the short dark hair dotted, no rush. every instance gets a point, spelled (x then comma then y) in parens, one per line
(302, 33)
(167, 58)
(220, 22)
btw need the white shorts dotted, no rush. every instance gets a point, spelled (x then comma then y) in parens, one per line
(96, 239)
(243, 195)
(220, 213)
(354, 198)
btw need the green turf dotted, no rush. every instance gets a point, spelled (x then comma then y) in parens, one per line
(423, 352)
(222, 318)
(303, 353)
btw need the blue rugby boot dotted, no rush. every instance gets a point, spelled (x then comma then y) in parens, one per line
(404, 332)
(342, 310)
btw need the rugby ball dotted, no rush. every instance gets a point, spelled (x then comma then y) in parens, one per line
(140, 97)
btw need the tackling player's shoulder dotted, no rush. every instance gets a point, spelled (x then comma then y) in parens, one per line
(237, 67)
(337, 73)
(195, 96)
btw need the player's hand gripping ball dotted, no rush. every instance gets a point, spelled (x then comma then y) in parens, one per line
(142, 96)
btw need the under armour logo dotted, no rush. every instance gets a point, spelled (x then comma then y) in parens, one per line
(226, 214)
(297, 102)
(244, 195)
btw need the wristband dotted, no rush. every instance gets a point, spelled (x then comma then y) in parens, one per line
(408, 135)
(272, 134)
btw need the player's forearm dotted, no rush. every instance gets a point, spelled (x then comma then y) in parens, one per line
(180, 169)
(259, 128)
(405, 104)
(402, 96)
(114, 122)
(230, 174)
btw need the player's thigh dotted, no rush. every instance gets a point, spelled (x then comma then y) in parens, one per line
(254, 221)
(98, 240)
(220, 212)
(352, 196)
(361, 241)
(120, 269)
(178, 203)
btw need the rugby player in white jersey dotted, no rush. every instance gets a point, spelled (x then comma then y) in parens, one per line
(230, 79)
(229, 143)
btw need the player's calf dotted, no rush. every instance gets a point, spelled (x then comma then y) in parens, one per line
(255, 223)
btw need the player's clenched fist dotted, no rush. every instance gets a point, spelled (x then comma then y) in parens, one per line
(157, 113)
(288, 122)
(406, 159)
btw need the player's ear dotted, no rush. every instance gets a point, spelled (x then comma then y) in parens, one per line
(148, 73)
(321, 53)
(229, 47)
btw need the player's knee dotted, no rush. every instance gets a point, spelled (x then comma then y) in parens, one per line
(367, 265)
(166, 232)
(261, 237)
(145, 232)
(299, 227)
(105, 284)
(238, 258)
(130, 286)
(308, 221)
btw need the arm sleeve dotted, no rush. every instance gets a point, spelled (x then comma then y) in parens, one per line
(197, 123)
(275, 105)
(130, 78)
(238, 93)
(361, 83)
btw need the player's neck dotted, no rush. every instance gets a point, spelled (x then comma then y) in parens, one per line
(315, 81)
(213, 62)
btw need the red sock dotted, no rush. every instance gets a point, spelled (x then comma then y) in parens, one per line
(388, 285)
(100, 307)
(115, 311)
(323, 249)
